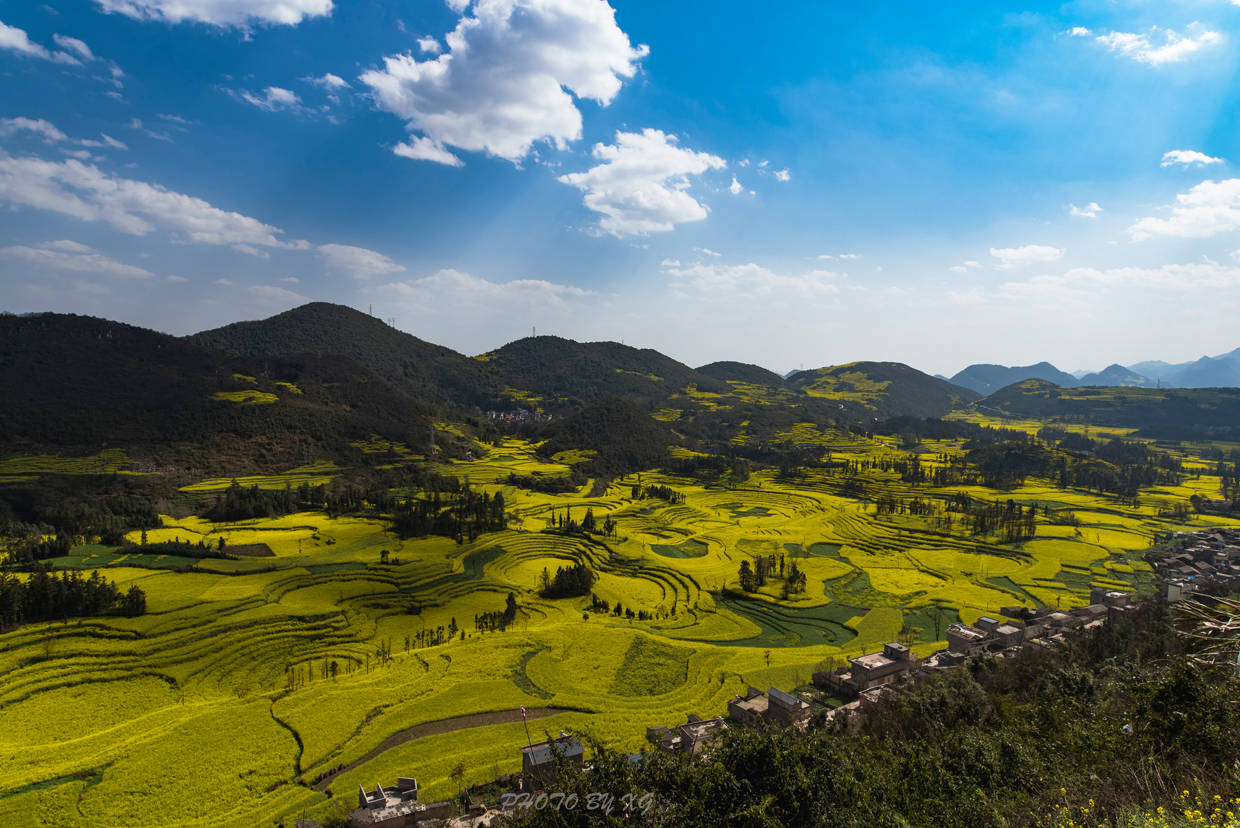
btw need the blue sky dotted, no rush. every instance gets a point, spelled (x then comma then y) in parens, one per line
(937, 186)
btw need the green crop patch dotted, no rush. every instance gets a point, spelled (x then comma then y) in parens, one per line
(651, 668)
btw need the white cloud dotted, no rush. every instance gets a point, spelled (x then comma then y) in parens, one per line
(1090, 210)
(1079, 31)
(640, 186)
(783, 175)
(505, 80)
(429, 45)
(274, 295)
(1155, 49)
(50, 133)
(841, 256)
(1084, 284)
(85, 192)
(1188, 158)
(736, 188)
(17, 40)
(1207, 209)
(72, 256)
(224, 282)
(358, 262)
(292, 280)
(421, 148)
(706, 251)
(1013, 257)
(136, 123)
(331, 82)
(749, 281)
(452, 290)
(72, 44)
(251, 250)
(220, 12)
(178, 280)
(273, 98)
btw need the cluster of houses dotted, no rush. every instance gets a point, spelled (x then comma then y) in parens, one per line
(863, 680)
(519, 415)
(1188, 561)
(865, 676)
(754, 709)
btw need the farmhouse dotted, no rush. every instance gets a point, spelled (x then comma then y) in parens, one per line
(538, 760)
(756, 709)
(692, 737)
(395, 807)
(871, 670)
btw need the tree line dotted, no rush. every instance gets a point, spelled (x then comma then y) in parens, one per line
(59, 596)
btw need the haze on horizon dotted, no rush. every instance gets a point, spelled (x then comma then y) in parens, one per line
(985, 183)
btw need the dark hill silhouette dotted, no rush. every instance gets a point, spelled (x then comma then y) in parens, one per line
(742, 372)
(883, 389)
(82, 383)
(1115, 375)
(1166, 413)
(987, 378)
(568, 374)
(424, 370)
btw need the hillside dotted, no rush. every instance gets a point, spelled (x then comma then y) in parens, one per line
(1170, 413)
(560, 373)
(742, 372)
(623, 437)
(883, 389)
(424, 370)
(988, 378)
(1114, 375)
(81, 383)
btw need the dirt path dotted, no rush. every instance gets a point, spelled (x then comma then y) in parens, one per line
(443, 726)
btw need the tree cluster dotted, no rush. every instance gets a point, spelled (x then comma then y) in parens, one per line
(59, 596)
(567, 582)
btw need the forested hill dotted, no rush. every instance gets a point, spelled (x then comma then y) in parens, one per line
(426, 371)
(987, 378)
(883, 389)
(81, 383)
(1168, 413)
(563, 374)
(743, 372)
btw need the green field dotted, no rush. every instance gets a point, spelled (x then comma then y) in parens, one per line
(223, 697)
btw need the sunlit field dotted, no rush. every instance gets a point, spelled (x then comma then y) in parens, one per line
(260, 687)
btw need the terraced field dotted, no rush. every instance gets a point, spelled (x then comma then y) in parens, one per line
(257, 689)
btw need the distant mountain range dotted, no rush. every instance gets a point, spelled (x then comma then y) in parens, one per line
(1208, 372)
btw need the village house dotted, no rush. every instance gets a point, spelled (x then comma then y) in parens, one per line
(395, 807)
(756, 709)
(870, 671)
(538, 759)
(692, 737)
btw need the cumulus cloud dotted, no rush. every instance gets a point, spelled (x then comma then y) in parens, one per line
(273, 98)
(726, 282)
(1014, 257)
(783, 175)
(72, 256)
(1160, 46)
(420, 148)
(177, 280)
(453, 287)
(736, 188)
(1210, 208)
(429, 45)
(16, 40)
(1186, 158)
(85, 192)
(841, 256)
(1083, 284)
(1090, 210)
(640, 186)
(505, 80)
(220, 12)
(358, 262)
